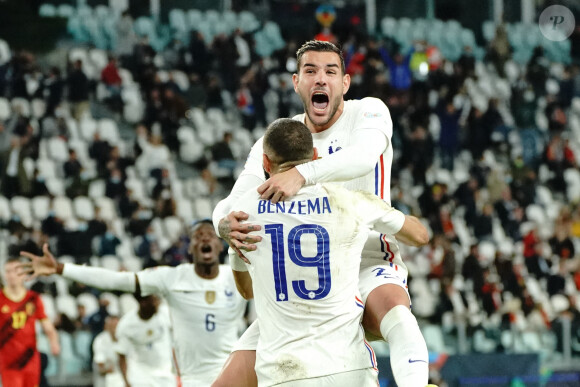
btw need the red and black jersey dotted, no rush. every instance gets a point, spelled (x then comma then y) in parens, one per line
(17, 330)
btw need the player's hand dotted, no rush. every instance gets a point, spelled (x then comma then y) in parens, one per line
(282, 186)
(237, 234)
(38, 266)
(55, 349)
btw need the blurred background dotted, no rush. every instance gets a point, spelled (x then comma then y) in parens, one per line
(132, 119)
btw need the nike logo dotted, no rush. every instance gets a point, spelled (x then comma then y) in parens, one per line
(415, 361)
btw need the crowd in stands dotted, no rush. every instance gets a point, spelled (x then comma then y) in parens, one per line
(486, 153)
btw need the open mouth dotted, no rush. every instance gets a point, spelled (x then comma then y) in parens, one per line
(320, 100)
(206, 249)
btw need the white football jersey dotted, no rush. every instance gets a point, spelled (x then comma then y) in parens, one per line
(357, 116)
(104, 352)
(305, 280)
(147, 347)
(205, 314)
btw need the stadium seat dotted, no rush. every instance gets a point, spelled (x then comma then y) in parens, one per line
(21, 105)
(63, 208)
(57, 149)
(127, 303)
(5, 109)
(49, 306)
(21, 206)
(83, 208)
(69, 362)
(83, 346)
(108, 130)
(65, 11)
(111, 262)
(194, 17)
(203, 208)
(89, 301)
(113, 307)
(47, 10)
(107, 207)
(40, 206)
(66, 304)
(434, 338)
(184, 210)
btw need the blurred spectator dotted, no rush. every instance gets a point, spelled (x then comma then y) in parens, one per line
(204, 185)
(113, 82)
(560, 243)
(449, 136)
(99, 151)
(533, 254)
(13, 176)
(155, 157)
(177, 253)
(115, 186)
(148, 249)
(199, 54)
(53, 89)
(125, 37)
(483, 223)
(499, 50)
(108, 244)
(221, 152)
(56, 125)
(5, 139)
(510, 214)
(78, 90)
(39, 187)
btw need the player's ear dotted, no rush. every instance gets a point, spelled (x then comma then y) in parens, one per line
(266, 163)
(315, 154)
(295, 81)
(345, 83)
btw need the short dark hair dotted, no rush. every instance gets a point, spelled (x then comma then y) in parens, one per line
(319, 46)
(289, 140)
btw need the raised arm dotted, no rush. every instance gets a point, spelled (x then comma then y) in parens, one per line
(228, 224)
(96, 277)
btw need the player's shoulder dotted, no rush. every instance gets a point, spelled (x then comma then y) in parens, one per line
(247, 200)
(367, 106)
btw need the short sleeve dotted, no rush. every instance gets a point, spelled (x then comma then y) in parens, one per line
(99, 355)
(374, 114)
(122, 345)
(154, 280)
(39, 313)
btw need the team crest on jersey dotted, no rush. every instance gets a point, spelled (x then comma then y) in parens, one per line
(5, 309)
(210, 296)
(30, 308)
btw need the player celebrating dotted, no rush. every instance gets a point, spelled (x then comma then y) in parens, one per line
(354, 139)
(313, 243)
(19, 310)
(144, 345)
(202, 298)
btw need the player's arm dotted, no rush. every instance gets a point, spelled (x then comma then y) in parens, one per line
(241, 276)
(227, 223)
(123, 368)
(370, 139)
(388, 220)
(413, 232)
(52, 336)
(96, 277)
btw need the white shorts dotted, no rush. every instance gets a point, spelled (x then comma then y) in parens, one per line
(372, 276)
(361, 378)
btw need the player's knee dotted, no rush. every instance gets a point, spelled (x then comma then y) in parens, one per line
(380, 302)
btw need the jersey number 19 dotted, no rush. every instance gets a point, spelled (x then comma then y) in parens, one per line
(321, 260)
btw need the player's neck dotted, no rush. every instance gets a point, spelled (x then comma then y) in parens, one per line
(14, 293)
(207, 271)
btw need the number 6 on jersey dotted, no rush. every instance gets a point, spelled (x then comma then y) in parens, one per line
(321, 260)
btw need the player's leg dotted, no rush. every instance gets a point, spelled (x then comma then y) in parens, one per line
(387, 314)
(360, 378)
(239, 370)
